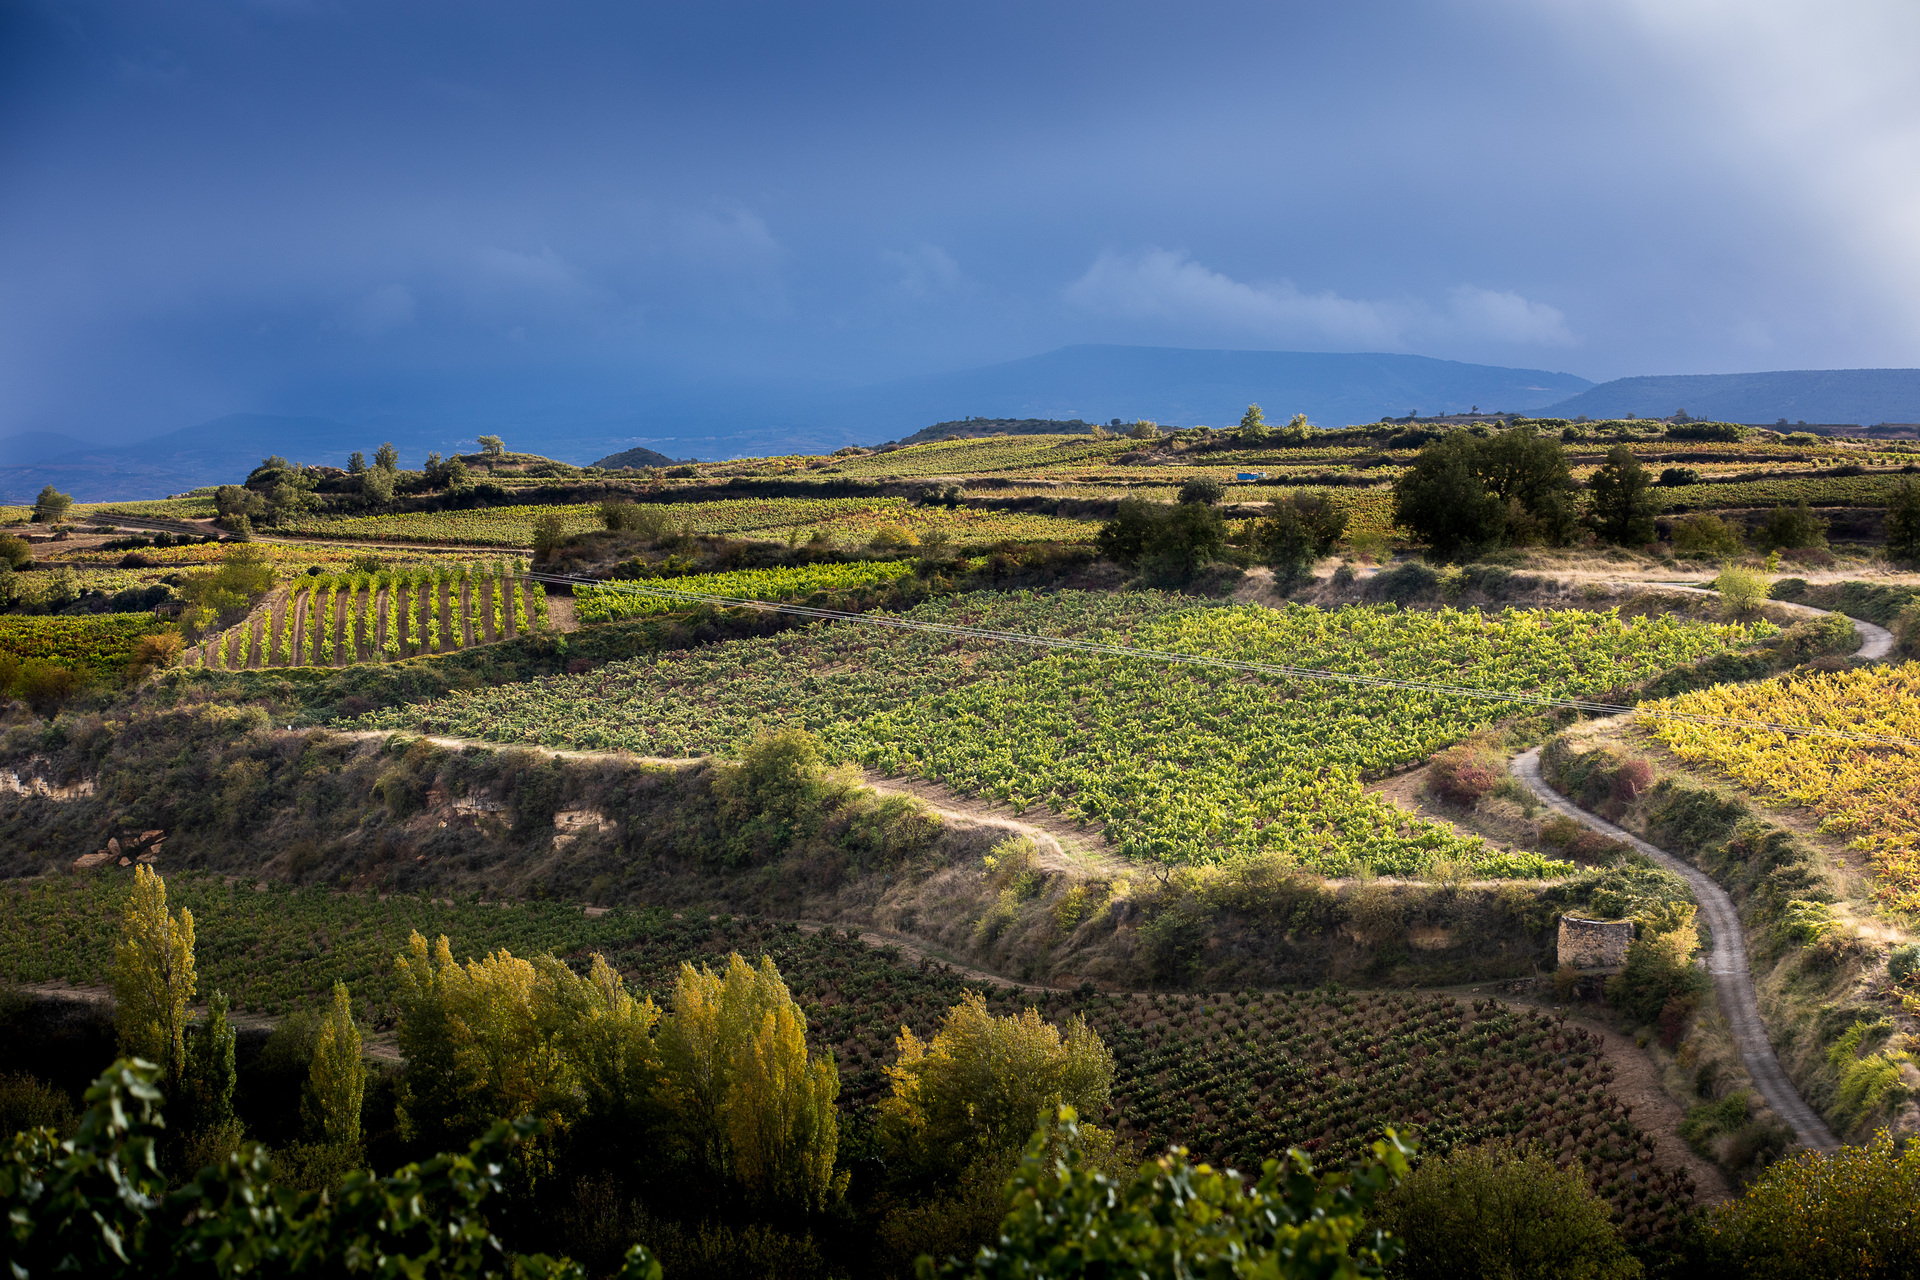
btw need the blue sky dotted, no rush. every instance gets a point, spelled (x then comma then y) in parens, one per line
(362, 209)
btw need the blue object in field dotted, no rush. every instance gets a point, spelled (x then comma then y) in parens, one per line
(1251, 475)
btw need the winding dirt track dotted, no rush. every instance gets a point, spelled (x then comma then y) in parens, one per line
(1727, 962)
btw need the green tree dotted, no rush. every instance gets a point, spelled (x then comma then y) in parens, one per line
(1530, 473)
(211, 1075)
(356, 463)
(1789, 528)
(1707, 534)
(338, 1079)
(1495, 1213)
(1297, 530)
(549, 531)
(751, 1102)
(1124, 537)
(1068, 1218)
(1142, 429)
(15, 553)
(51, 506)
(1187, 537)
(1659, 964)
(153, 977)
(1253, 423)
(1811, 1216)
(286, 488)
(974, 1093)
(376, 485)
(493, 446)
(1622, 499)
(1443, 500)
(1903, 523)
(1206, 490)
(1298, 430)
(99, 1206)
(386, 457)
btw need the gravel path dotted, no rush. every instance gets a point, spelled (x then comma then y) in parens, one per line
(1727, 962)
(1726, 965)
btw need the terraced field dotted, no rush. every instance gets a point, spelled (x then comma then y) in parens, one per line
(1178, 764)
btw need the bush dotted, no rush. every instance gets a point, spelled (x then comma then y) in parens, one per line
(1493, 1212)
(1464, 776)
(1817, 1216)
(1206, 490)
(1706, 534)
(1065, 1217)
(1789, 527)
(1659, 965)
(1741, 590)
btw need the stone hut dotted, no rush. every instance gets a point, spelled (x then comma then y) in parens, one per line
(1594, 944)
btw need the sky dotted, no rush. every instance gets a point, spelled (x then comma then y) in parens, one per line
(368, 208)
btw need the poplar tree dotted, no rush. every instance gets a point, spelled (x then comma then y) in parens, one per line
(338, 1078)
(153, 978)
(211, 1074)
(758, 1108)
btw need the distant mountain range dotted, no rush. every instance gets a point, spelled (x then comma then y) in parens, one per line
(1174, 386)
(1863, 397)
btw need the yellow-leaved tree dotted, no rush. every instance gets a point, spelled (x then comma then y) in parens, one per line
(752, 1102)
(501, 1037)
(980, 1088)
(153, 978)
(337, 1081)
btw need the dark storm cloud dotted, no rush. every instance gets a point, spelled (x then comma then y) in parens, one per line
(360, 208)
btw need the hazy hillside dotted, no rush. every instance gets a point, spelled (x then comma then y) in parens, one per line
(217, 452)
(1863, 396)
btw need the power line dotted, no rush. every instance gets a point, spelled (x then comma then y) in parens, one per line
(1321, 674)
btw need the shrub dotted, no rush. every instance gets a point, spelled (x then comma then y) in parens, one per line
(1659, 965)
(1793, 526)
(1817, 1216)
(1206, 490)
(1706, 534)
(1494, 1211)
(1741, 590)
(1067, 1217)
(972, 1093)
(1464, 776)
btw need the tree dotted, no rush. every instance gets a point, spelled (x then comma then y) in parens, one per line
(1791, 527)
(1442, 499)
(1707, 534)
(752, 1104)
(338, 1079)
(98, 1205)
(1297, 431)
(153, 978)
(493, 446)
(1530, 473)
(1124, 537)
(974, 1092)
(15, 553)
(1067, 1218)
(1206, 490)
(1659, 963)
(1298, 529)
(1903, 523)
(376, 486)
(1253, 423)
(549, 531)
(1497, 1213)
(231, 500)
(1622, 500)
(1142, 429)
(211, 1074)
(286, 488)
(386, 457)
(356, 463)
(51, 506)
(1187, 537)
(1813, 1215)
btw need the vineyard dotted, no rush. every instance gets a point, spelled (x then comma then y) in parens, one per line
(846, 520)
(335, 620)
(1236, 1077)
(103, 642)
(1868, 791)
(1179, 764)
(608, 604)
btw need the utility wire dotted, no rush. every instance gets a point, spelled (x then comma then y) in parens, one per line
(1069, 644)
